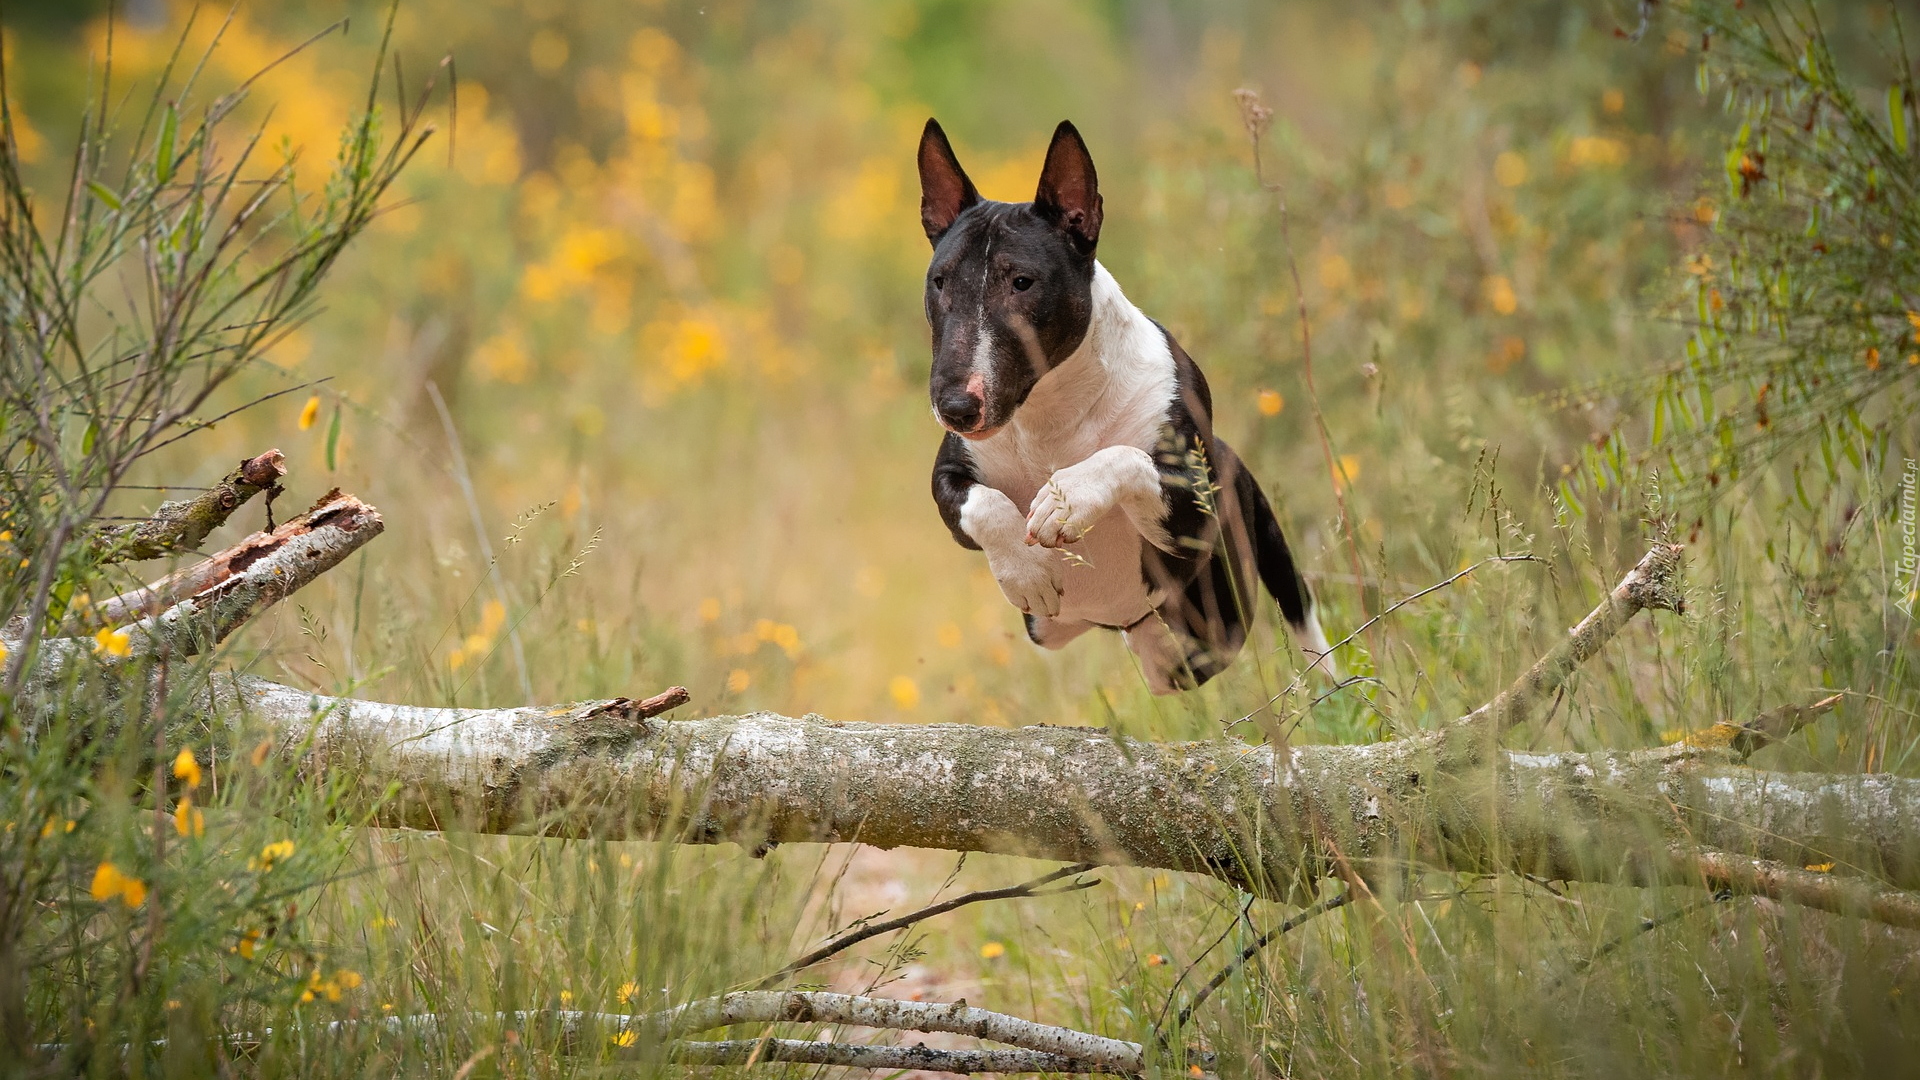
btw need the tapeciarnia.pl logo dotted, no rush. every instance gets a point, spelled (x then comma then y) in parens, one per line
(1906, 572)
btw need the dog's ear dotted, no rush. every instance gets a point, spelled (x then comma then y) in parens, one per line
(945, 190)
(1069, 195)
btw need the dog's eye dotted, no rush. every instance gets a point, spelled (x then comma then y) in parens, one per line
(1022, 283)
(939, 281)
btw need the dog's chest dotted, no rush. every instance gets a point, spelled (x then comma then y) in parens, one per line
(1088, 404)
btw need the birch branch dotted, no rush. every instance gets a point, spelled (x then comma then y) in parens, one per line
(1257, 817)
(1653, 583)
(236, 584)
(958, 1018)
(181, 526)
(259, 571)
(1037, 1047)
(807, 1052)
(1261, 818)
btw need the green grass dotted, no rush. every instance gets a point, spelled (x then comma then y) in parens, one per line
(669, 290)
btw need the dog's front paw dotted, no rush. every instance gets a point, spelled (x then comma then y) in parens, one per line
(1031, 578)
(1067, 506)
(1074, 499)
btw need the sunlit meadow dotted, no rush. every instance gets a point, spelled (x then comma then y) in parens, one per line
(634, 368)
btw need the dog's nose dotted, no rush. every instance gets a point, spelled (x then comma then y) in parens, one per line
(961, 410)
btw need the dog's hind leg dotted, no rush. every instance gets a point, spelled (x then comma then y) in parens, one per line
(1166, 656)
(1054, 633)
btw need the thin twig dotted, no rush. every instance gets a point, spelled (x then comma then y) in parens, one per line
(1299, 680)
(848, 940)
(1253, 950)
(1238, 918)
(1646, 926)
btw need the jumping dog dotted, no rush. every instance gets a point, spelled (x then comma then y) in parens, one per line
(1060, 397)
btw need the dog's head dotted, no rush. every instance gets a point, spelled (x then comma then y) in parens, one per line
(1010, 287)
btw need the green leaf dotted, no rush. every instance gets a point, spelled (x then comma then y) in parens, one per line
(1573, 503)
(91, 437)
(333, 440)
(104, 194)
(1897, 116)
(163, 151)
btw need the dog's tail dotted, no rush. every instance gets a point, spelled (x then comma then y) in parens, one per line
(1275, 563)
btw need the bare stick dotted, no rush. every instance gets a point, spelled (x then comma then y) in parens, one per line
(1248, 953)
(773, 1006)
(848, 940)
(1654, 582)
(181, 526)
(1325, 658)
(1037, 1047)
(665, 701)
(1841, 895)
(1769, 727)
(232, 587)
(1647, 926)
(920, 1057)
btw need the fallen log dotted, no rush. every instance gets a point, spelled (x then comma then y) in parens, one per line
(1266, 819)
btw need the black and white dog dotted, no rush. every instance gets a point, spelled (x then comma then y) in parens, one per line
(1080, 454)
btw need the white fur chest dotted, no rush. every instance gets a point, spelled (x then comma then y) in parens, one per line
(1113, 391)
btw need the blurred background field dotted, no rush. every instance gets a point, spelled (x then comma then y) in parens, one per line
(634, 368)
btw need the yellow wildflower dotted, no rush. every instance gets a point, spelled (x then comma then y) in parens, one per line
(1270, 402)
(1500, 294)
(992, 950)
(186, 769)
(1510, 169)
(1346, 470)
(109, 882)
(629, 991)
(310, 412)
(904, 691)
(112, 642)
(249, 940)
(624, 1039)
(187, 819)
(278, 851)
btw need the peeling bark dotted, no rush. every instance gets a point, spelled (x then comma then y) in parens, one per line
(227, 590)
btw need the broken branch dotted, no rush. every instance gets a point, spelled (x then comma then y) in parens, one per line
(808, 1052)
(855, 937)
(1653, 583)
(958, 1018)
(181, 526)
